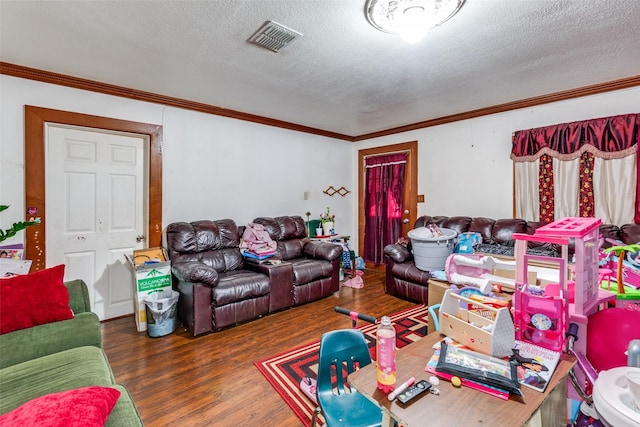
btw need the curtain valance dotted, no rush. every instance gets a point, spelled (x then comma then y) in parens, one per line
(607, 137)
(387, 159)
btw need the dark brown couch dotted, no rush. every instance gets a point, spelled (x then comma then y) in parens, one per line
(316, 265)
(219, 288)
(406, 281)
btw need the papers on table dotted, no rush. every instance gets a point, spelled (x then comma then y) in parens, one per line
(11, 267)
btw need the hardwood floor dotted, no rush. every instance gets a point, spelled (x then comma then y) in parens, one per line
(179, 380)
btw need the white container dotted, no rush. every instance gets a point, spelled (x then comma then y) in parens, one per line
(613, 398)
(162, 316)
(430, 253)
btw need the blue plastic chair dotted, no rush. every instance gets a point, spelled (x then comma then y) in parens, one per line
(434, 316)
(341, 352)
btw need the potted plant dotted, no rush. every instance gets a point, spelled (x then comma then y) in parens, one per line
(328, 220)
(17, 226)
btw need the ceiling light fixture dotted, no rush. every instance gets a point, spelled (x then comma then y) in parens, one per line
(411, 19)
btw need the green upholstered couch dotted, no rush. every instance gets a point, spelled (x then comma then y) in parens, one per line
(60, 356)
(31, 343)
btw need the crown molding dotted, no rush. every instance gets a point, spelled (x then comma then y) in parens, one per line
(94, 86)
(109, 89)
(509, 106)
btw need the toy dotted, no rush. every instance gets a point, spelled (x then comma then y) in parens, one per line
(606, 394)
(540, 319)
(627, 291)
(479, 326)
(476, 270)
(620, 252)
(586, 275)
(545, 318)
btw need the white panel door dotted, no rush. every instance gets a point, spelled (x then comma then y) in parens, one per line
(96, 209)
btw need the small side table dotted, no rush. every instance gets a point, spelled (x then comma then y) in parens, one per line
(336, 238)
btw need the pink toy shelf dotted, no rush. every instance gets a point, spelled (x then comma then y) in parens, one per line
(585, 232)
(542, 318)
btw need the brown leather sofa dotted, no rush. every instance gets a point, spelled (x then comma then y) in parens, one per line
(316, 265)
(406, 281)
(219, 288)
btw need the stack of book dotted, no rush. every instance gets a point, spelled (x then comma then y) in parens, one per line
(259, 253)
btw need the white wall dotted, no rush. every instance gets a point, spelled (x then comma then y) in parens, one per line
(216, 167)
(465, 168)
(213, 167)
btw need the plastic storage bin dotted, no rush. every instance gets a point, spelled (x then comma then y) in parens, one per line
(430, 253)
(162, 313)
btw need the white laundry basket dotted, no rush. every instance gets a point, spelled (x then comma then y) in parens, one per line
(430, 253)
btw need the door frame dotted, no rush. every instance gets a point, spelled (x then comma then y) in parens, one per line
(35, 119)
(410, 184)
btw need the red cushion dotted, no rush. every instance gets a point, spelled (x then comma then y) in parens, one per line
(33, 299)
(81, 407)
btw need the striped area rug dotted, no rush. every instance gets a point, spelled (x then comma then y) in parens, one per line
(285, 371)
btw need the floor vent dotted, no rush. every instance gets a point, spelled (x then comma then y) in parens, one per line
(274, 36)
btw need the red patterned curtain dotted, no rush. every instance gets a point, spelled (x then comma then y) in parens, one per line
(383, 203)
(545, 183)
(607, 138)
(586, 200)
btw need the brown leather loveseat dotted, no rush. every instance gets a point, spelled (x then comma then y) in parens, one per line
(316, 265)
(406, 281)
(219, 288)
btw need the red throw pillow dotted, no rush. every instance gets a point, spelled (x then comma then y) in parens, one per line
(33, 299)
(81, 407)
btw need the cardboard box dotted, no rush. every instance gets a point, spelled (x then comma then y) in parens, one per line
(152, 273)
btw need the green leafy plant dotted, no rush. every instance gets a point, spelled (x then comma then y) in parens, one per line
(327, 216)
(620, 252)
(17, 226)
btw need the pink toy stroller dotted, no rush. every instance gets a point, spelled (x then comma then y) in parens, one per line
(608, 337)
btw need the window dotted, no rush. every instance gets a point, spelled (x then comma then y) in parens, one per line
(579, 169)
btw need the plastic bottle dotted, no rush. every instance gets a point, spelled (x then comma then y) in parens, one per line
(386, 355)
(633, 353)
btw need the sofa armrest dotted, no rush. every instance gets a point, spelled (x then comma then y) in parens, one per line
(398, 253)
(196, 272)
(37, 341)
(78, 296)
(322, 250)
(194, 281)
(280, 282)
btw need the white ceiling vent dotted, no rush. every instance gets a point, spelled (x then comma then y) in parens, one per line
(274, 36)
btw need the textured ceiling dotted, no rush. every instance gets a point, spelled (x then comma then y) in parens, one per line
(343, 75)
